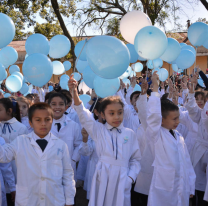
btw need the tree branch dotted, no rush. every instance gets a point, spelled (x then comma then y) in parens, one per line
(205, 3)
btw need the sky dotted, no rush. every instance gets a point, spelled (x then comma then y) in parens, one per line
(191, 12)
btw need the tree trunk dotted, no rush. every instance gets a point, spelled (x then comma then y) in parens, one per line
(205, 3)
(63, 26)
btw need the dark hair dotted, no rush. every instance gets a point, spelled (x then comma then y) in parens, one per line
(30, 97)
(57, 94)
(200, 93)
(96, 105)
(39, 106)
(135, 93)
(168, 106)
(164, 96)
(109, 100)
(47, 96)
(67, 94)
(11, 104)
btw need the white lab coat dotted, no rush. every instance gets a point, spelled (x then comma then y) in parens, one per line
(131, 119)
(173, 178)
(119, 159)
(25, 121)
(6, 175)
(89, 149)
(45, 180)
(145, 175)
(70, 133)
(11, 133)
(73, 115)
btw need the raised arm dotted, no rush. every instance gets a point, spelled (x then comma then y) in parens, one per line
(85, 116)
(191, 106)
(154, 117)
(142, 104)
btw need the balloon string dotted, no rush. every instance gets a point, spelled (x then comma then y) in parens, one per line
(195, 66)
(94, 105)
(79, 55)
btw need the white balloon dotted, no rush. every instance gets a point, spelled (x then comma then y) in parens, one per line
(131, 23)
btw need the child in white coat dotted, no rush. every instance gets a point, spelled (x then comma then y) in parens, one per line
(65, 128)
(173, 180)
(24, 105)
(118, 165)
(44, 172)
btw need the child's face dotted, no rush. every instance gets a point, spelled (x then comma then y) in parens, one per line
(171, 121)
(23, 109)
(113, 114)
(200, 101)
(58, 106)
(4, 116)
(41, 122)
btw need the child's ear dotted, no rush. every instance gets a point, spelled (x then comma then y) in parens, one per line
(9, 112)
(31, 124)
(103, 116)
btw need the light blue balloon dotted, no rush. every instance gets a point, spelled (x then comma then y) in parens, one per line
(50, 88)
(37, 43)
(157, 63)
(58, 68)
(107, 56)
(3, 73)
(163, 74)
(150, 42)
(14, 68)
(150, 64)
(172, 51)
(38, 69)
(19, 75)
(24, 89)
(7, 30)
(6, 95)
(67, 65)
(133, 54)
(155, 70)
(197, 33)
(132, 74)
(141, 59)
(81, 65)
(180, 70)
(182, 45)
(8, 56)
(137, 88)
(186, 59)
(126, 81)
(189, 48)
(175, 67)
(13, 83)
(88, 77)
(77, 76)
(78, 48)
(85, 98)
(26, 56)
(106, 87)
(201, 82)
(129, 70)
(64, 76)
(59, 46)
(64, 83)
(30, 88)
(138, 67)
(205, 44)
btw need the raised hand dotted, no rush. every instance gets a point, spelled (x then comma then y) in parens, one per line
(72, 84)
(133, 82)
(193, 84)
(144, 86)
(155, 81)
(84, 135)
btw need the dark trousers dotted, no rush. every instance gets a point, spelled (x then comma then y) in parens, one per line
(138, 199)
(197, 200)
(9, 200)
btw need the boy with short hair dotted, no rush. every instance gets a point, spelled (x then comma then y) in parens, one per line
(44, 172)
(173, 180)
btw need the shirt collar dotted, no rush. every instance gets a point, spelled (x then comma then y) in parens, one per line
(109, 127)
(12, 120)
(36, 137)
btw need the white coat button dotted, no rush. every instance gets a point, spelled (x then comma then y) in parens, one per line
(42, 198)
(42, 178)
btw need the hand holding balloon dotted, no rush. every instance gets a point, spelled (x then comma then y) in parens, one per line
(144, 86)
(155, 80)
(72, 84)
(193, 83)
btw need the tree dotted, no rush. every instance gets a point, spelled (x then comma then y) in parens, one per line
(50, 10)
(104, 13)
(205, 3)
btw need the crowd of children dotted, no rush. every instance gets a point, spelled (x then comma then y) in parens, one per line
(147, 148)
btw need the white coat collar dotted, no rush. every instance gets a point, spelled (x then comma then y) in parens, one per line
(11, 121)
(109, 127)
(62, 119)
